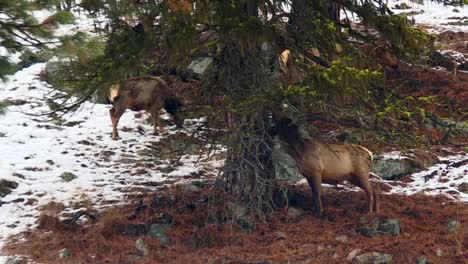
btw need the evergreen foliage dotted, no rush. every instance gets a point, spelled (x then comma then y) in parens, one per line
(335, 79)
(20, 31)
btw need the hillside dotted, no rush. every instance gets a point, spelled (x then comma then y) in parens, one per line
(70, 194)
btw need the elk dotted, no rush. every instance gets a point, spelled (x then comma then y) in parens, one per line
(143, 93)
(328, 163)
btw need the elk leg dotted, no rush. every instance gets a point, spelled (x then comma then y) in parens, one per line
(114, 126)
(363, 183)
(376, 198)
(157, 123)
(178, 121)
(314, 183)
(116, 113)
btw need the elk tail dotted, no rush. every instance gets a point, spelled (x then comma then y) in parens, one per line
(113, 93)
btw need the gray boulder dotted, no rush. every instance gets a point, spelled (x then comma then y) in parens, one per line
(373, 258)
(200, 65)
(6, 187)
(68, 176)
(158, 232)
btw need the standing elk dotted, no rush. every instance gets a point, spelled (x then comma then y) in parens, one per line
(143, 93)
(328, 163)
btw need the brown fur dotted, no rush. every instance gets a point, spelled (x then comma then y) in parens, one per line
(142, 93)
(328, 163)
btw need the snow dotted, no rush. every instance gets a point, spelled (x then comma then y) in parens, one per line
(440, 179)
(434, 15)
(39, 152)
(35, 153)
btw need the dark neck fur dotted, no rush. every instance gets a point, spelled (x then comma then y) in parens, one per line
(288, 132)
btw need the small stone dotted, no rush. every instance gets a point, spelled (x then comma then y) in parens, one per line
(16, 260)
(453, 226)
(368, 231)
(192, 187)
(463, 187)
(335, 255)
(390, 227)
(353, 254)
(158, 231)
(295, 212)
(342, 238)
(50, 162)
(6, 187)
(68, 176)
(373, 258)
(422, 260)
(456, 10)
(141, 246)
(64, 253)
(440, 252)
(280, 235)
(134, 258)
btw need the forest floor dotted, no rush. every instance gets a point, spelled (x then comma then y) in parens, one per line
(72, 195)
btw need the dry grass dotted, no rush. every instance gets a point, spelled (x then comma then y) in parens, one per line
(306, 239)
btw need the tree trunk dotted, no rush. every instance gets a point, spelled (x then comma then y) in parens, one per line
(246, 75)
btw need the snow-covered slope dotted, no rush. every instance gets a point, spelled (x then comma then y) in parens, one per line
(35, 154)
(433, 15)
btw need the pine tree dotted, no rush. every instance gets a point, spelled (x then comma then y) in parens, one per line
(334, 79)
(21, 32)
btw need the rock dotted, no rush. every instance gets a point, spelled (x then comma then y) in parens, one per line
(16, 260)
(141, 247)
(453, 226)
(133, 229)
(402, 6)
(166, 219)
(64, 253)
(50, 162)
(127, 161)
(353, 254)
(194, 186)
(456, 10)
(280, 235)
(6, 187)
(390, 227)
(440, 252)
(285, 165)
(295, 212)
(134, 258)
(86, 142)
(342, 238)
(158, 232)
(368, 231)
(390, 169)
(395, 168)
(68, 176)
(422, 260)
(373, 258)
(463, 187)
(200, 65)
